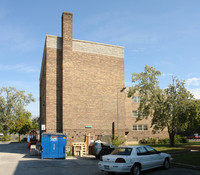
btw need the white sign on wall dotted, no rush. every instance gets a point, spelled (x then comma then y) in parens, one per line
(43, 127)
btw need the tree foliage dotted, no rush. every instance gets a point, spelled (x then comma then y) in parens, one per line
(36, 122)
(12, 103)
(21, 124)
(117, 141)
(168, 107)
(193, 118)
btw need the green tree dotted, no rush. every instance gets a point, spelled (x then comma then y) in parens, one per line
(36, 122)
(117, 141)
(168, 107)
(193, 117)
(12, 102)
(21, 124)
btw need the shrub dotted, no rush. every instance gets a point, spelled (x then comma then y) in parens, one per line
(6, 138)
(149, 141)
(143, 141)
(152, 141)
(184, 139)
(177, 139)
(164, 141)
(180, 139)
(117, 141)
(69, 153)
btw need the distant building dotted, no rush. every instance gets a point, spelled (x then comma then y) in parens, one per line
(80, 89)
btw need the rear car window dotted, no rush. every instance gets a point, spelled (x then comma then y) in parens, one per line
(141, 151)
(122, 151)
(151, 150)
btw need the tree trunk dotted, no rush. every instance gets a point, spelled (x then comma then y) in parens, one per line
(19, 137)
(171, 137)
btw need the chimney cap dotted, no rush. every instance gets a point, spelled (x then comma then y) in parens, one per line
(67, 13)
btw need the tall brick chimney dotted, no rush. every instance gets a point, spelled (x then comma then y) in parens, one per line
(67, 31)
(66, 62)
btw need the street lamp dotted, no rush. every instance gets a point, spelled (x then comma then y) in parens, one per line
(121, 90)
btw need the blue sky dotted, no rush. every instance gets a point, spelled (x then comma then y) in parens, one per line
(162, 34)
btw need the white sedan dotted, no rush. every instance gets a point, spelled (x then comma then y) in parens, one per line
(134, 159)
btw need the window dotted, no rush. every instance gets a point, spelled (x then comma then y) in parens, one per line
(122, 151)
(141, 151)
(134, 114)
(140, 127)
(135, 139)
(135, 99)
(135, 127)
(145, 127)
(151, 150)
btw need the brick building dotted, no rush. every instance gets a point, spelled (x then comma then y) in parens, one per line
(81, 89)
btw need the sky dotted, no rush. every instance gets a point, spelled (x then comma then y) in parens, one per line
(161, 34)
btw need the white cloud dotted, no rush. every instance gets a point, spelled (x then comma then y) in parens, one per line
(164, 74)
(195, 92)
(19, 68)
(138, 50)
(193, 81)
(191, 74)
(193, 85)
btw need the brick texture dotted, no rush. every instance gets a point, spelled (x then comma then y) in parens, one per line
(80, 85)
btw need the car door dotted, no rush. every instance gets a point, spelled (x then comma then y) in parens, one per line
(156, 159)
(143, 157)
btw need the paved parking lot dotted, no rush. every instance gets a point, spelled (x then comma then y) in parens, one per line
(15, 160)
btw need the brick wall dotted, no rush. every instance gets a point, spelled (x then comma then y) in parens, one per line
(90, 84)
(130, 121)
(51, 85)
(43, 90)
(80, 86)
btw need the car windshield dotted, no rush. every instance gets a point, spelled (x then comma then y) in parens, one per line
(122, 151)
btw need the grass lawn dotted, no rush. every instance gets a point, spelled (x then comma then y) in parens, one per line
(168, 149)
(189, 144)
(192, 158)
(178, 147)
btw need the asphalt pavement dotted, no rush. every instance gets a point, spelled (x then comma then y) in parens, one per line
(16, 160)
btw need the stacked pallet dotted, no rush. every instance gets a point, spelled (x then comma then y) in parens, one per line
(79, 149)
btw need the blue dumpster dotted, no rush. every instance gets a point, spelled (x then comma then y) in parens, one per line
(53, 146)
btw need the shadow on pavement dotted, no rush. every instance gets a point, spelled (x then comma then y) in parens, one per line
(14, 147)
(57, 166)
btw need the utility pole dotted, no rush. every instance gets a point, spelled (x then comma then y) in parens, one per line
(113, 130)
(121, 90)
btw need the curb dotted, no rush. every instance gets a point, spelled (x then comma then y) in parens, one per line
(186, 166)
(71, 157)
(179, 152)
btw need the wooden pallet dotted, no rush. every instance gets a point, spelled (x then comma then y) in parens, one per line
(79, 149)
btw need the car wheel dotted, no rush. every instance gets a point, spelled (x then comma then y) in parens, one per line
(135, 170)
(166, 164)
